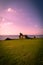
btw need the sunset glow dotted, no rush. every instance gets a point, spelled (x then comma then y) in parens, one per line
(16, 17)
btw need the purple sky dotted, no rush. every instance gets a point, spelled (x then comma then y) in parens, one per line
(20, 16)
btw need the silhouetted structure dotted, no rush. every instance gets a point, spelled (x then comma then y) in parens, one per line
(21, 36)
(26, 36)
(34, 36)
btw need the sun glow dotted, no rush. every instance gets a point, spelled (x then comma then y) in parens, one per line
(10, 10)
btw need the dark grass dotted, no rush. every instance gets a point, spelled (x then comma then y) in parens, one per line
(21, 52)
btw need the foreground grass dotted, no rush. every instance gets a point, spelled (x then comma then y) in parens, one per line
(21, 52)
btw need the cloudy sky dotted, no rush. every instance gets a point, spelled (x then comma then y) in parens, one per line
(24, 16)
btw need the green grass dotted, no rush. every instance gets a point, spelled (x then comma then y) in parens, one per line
(21, 52)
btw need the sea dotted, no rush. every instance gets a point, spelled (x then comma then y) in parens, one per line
(3, 37)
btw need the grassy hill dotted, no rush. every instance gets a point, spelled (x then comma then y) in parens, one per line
(21, 52)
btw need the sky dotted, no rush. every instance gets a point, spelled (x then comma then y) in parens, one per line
(25, 16)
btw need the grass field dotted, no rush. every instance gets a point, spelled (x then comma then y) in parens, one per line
(21, 52)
